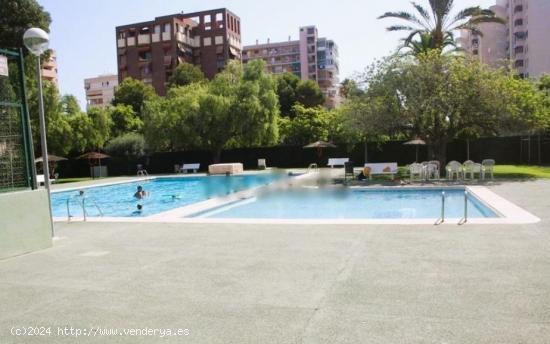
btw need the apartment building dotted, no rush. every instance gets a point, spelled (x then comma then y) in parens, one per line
(523, 40)
(309, 57)
(100, 90)
(49, 68)
(150, 51)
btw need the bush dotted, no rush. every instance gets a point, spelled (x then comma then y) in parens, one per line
(128, 145)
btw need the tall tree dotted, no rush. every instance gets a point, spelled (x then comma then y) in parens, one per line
(309, 94)
(125, 120)
(69, 105)
(286, 91)
(16, 17)
(134, 93)
(185, 74)
(438, 22)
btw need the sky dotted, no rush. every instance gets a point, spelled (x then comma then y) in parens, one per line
(83, 32)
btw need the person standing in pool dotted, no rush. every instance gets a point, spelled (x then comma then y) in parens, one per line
(140, 193)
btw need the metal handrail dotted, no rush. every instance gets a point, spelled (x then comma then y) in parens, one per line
(465, 218)
(442, 218)
(83, 205)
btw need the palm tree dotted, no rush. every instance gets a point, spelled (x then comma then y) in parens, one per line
(425, 43)
(437, 26)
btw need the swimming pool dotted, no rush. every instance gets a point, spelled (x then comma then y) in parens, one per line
(353, 203)
(165, 193)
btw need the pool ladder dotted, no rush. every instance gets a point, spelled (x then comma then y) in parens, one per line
(442, 217)
(83, 204)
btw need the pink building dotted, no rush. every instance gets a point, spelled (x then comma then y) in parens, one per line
(523, 40)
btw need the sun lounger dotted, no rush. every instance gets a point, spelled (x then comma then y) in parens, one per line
(332, 162)
(190, 167)
(40, 179)
(388, 168)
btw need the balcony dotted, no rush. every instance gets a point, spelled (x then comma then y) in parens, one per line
(155, 37)
(131, 41)
(167, 61)
(519, 63)
(166, 36)
(121, 43)
(144, 39)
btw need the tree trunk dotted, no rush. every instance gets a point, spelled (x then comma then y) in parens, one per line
(216, 155)
(440, 151)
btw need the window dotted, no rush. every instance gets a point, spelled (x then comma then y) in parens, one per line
(144, 30)
(122, 34)
(207, 18)
(157, 29)
(167, 27)
(310, 31)
(518, 22)
(218, 40)
(145, 56)
(207, 41)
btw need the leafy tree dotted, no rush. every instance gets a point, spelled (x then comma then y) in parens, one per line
(444, 97)
(286, 91)
(69, 105)
(134, 93)
(130, 145)
(309, 94)
(438, 24)
(349, 88)
(238, 107)
(308, 125)
(124, 120)
(185, 74)
(103, 124)
(176, 116)
(16, 17)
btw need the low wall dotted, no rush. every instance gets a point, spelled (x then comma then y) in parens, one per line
(24, 222)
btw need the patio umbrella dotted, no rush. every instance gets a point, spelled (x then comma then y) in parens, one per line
(91, 156)
(416, 142)
(51, 158)
(319, 145)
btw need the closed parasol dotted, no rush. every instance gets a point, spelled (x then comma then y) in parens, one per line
(416, 142)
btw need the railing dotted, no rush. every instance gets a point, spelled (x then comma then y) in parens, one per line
(83, 205)
(442, 218)
(465, 218)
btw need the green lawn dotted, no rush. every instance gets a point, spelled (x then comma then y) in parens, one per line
(521, 171)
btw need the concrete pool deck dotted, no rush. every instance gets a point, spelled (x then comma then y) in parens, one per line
(238, 283)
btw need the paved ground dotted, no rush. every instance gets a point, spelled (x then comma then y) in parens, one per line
(291, 284)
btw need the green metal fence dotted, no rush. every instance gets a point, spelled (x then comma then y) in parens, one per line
(17, 170)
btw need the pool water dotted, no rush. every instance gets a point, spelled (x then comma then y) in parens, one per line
(312, 203)
(163, 194)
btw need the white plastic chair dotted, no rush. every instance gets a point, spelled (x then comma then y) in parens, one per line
(416, 169)
(432, 171)
(487, 167)
(454, 168)
(471, 168)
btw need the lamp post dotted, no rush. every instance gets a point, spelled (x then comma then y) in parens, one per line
(37, 41)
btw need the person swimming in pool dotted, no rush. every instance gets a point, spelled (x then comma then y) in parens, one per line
(140, 193)
(139, 210)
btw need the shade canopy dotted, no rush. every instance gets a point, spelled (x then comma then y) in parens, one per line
(320, 144)
(94, 155)
(416, 142)
(51, 158)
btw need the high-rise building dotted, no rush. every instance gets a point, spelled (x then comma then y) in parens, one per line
(150, 51)
(310, 58)
(100, 90)
(523, 40)
(49, 68)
